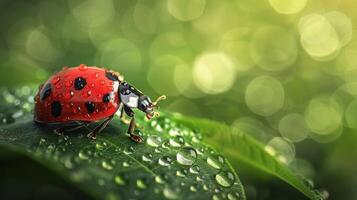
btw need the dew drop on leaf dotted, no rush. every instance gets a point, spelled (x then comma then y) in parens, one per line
(106, 165)
(181, 173)
(147, 157)
(225, 179)
(169, 193)
(194, 169)
(141, 184)
(82, 155)
(193, 188)
(159, 180)
(119, 180)
(177, 141)
(153, 141)
(165, 161)
(129, 150)
(186, 156)
(215, 162)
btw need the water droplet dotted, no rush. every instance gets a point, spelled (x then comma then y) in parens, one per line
(232, 196)
(82, 155)
(153, 140)
(165, 161)
(174, 132)
(165, 145)
(215, 162)
(181, 173)
(194, 169)
(95, 75)
(205, 187)
(119, 180)
(82, 67)
(68, 163)
(225, 179)
(309, 183)
(147, 157)
(140, 184)
(86, 94)
(56, 80)
(169, 193)
(129, 150)
(126, 164)
(106, 165)
(193, 188)
(159, 180)
(186, 156)
(177, 141)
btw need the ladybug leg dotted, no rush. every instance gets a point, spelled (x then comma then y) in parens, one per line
(122, 117)
(132, 125)
(134, 137)
(99, 128)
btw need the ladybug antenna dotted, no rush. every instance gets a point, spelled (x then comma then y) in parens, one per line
(154, 104)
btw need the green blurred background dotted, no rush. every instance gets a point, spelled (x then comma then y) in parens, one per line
(282, 70)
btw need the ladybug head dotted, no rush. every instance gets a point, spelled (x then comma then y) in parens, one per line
(133, 98)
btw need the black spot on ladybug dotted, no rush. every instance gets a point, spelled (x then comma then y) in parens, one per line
(90, 107)
(56, 109)
(79, 83)
(106, 98)
(45, 92)
(111, 76)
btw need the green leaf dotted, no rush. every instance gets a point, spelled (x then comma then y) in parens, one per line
(239, 146)
(173, 163)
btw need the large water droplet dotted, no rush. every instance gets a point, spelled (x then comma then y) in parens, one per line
(165, 161)
(215, 162)
(186, 156)
(153, 140)
(177, 141)
(225, 179)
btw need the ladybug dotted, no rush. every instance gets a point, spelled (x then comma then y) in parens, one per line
(76, 97)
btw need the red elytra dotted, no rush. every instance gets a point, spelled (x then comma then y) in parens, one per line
(88, 94)
(77, 104)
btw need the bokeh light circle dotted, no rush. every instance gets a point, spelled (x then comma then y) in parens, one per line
(264, 95)
(214, 73)
(235, 44)
(121, 55)
(183, 79)
(351, 115)
(323, 115)
(161, 74)
(318, 36)
(273, 48)
(92, 13)
(342, 24)
(288, 6)
(293, 127)
(282, 149)
(145, 18)
(186, 10)
(39, 46)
